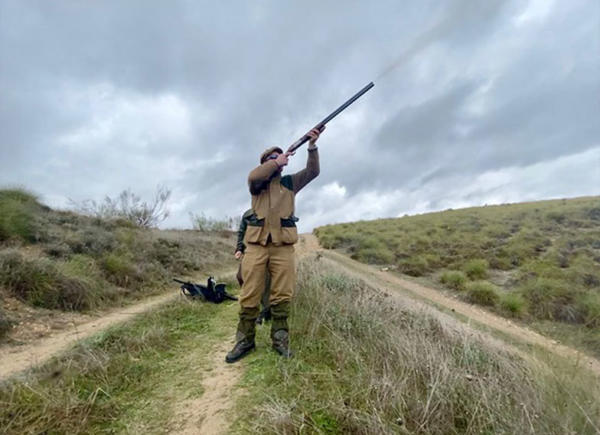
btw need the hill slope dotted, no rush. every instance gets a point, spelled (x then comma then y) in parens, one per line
(368, 360)
(54, 262)
(539, 262)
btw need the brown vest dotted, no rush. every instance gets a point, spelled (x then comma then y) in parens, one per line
(274, 210)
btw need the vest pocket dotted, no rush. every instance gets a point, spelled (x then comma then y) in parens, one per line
(254, 229)
(289, 235)
(289, 232)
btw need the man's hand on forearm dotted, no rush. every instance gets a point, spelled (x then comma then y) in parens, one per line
(314, 136)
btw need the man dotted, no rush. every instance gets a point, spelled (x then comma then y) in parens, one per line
(265, 312)
(270, 237)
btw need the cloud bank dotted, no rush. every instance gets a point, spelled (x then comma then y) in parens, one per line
(474, 103)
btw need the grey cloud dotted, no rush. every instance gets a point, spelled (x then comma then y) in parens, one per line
(255, 74)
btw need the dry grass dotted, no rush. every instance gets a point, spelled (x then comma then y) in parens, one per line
(365, 365)
(129, 379)
(549, 252)
(82, 263)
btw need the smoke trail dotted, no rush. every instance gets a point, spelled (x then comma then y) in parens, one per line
(462, 14)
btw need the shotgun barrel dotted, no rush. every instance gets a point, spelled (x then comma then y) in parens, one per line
(293, 147)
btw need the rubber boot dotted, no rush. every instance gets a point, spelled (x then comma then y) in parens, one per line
(244, 335)
(279, 329)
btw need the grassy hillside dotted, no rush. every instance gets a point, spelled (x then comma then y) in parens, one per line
(538, 261)
(367, 365)
(62, 260)
(362, 365)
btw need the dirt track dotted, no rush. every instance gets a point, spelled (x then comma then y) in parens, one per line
(390, 281)
(15, 359)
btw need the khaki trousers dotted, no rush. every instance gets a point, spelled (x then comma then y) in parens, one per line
(280, 261)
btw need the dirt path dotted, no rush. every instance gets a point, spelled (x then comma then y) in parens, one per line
(393, 282)
(16, 359)
(207, 414)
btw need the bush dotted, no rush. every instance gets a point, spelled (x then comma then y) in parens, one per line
(482, 293)
(589, 305)
(375, 255)
(514, 304)
(414, 266)
(129, 207)
(454, 279)
(40, 283)
(552, 299)
(17, 215)
(90, 240)
(120, 270)
(476, 269)
(58, 250)
(207, 224)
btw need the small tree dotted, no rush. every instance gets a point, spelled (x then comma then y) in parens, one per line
(130, 207)
(205, 224)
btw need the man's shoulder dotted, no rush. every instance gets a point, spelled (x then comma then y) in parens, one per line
(287, 182)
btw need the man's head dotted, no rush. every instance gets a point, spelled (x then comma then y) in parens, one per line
(270, 154)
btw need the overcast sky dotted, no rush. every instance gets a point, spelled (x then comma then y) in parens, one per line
(475, 102)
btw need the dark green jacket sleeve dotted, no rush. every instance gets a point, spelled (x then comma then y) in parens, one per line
(240, 235)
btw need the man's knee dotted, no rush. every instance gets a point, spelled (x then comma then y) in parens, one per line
(249, 313)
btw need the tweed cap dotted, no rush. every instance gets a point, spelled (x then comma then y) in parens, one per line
(268, 152)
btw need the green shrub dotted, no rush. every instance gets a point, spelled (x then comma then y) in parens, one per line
(482, 293)
(476, 269)
(552, 299)
(514, 304)
(39, 282)
(556, 217)
(80, 265)
(375, 255)
(454, 279)
(18, 195)
(588, 304)
(17, 216)
(414, 266)
(91, 239)
(119, 270)
(57, 250)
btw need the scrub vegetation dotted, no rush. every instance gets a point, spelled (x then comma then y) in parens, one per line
(362, 365)
(67, 261)
(538, 261)
(366, 365)
(128, 379)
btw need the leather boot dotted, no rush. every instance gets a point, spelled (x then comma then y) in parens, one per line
(281, 343)
(279, 328)
(244, 335)
(242, 347)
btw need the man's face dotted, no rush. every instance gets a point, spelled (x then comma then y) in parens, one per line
(274, 156)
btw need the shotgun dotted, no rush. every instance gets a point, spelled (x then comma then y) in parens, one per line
(293, 147)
